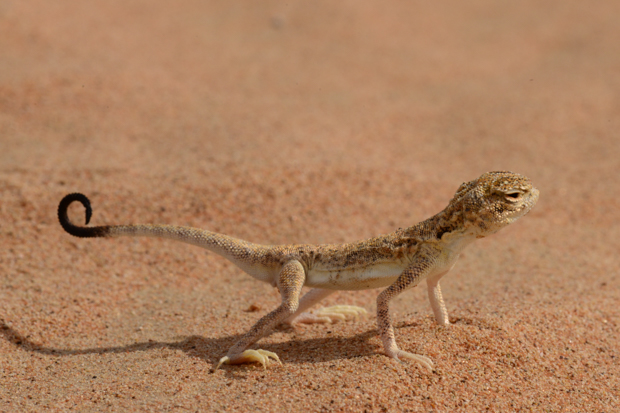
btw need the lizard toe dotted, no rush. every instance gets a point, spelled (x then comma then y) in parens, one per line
(249, 356)
(423, 360)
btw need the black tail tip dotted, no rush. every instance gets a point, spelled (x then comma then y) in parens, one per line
(70, 198)
(64, 218)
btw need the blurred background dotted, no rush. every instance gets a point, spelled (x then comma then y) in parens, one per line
(314, 122)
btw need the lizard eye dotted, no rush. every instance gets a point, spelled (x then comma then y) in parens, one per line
(513, 196)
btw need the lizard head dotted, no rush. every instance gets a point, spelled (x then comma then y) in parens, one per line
(495, 200)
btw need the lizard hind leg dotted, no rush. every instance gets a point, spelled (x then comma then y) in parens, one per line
(290, 281)
(337, 313)
(322, 315)
(329, 315)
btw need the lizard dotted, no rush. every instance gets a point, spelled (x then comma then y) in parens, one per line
(399, 260)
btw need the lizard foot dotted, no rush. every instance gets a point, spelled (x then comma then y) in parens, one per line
(423, 360)
(331, 314)
(249, 356)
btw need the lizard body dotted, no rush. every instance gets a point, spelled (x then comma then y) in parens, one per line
(398, 261)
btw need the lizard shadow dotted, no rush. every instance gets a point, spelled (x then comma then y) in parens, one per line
(296, 350)
(209, 350)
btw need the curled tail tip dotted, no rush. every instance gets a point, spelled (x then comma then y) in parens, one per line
(81, 198)
(67, 225)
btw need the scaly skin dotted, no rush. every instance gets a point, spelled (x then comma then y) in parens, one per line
(398, 261)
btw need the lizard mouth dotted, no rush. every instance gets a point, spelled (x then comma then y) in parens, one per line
(532, 199)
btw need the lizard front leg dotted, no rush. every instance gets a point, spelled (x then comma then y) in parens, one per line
(422, 264)
(290, 281)
(437, 303)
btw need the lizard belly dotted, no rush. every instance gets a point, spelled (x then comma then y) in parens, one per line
(360, 278)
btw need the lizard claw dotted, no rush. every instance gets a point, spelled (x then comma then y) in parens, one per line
(249, 356)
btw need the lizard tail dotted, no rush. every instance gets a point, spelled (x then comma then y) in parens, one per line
(236, 250)
(77, 231)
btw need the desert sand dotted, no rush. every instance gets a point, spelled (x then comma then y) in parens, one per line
(305, 122)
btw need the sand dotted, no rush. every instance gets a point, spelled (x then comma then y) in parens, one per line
(305, 122)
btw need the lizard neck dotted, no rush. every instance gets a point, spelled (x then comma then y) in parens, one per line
(449, 225)
(453, 230)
